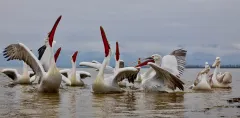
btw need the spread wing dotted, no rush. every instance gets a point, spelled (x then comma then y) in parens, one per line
(21, 52)
(95, 65)
(31, 73)
(171, 80)
(128, 72)
(83, 74)
(94, 61)
(225, 78)
(65, 72)
(66, 80)
(11, 73)
(175, 62)
(91, 65)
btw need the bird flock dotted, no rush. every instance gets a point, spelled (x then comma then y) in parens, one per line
(163, 75)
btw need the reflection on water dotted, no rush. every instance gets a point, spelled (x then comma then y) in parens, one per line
(24, 101)
(114, 103)
(33, 104)
(138, 104)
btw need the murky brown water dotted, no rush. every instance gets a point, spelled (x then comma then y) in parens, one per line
(24, 101)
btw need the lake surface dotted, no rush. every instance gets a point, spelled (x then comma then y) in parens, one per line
(77, 102)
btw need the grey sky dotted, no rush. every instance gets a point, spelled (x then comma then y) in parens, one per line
(141, 27)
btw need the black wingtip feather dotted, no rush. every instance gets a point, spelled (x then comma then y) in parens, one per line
(41, 51)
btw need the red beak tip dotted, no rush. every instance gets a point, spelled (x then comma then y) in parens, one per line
(101, 28)
(74, 57)
(117, 51)
(57, 54)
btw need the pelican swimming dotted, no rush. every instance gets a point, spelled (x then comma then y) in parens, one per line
(23, 78)
(74, 78)
(109, 84)
(202, 80)
(221, 80)
(164, 73)
(49, 81)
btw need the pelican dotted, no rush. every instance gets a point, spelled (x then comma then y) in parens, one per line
(109, 84)
(165, 76)
(49, 81)
(220, 80)
(74, 78)
(202, 80)
(23, 78)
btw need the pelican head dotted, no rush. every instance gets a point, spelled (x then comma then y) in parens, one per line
(217, 62)
(155, 58)
(206, 65)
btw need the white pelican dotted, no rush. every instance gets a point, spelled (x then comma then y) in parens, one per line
(49, 81)
(18, 78)
(202, 80)
(103, 84)
(165, 73)
(74, 78)
(221, 80)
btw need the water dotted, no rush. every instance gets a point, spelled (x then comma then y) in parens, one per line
(24, 101)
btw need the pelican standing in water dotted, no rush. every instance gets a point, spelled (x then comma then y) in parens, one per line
(109, 84)
(220, 80)
(74, 78)
(18, 78)
(202, 81)
(49, 81)
(164, 73)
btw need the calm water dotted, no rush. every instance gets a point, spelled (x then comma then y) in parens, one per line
(24, 101)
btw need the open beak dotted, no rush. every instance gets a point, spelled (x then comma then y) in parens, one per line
(52, 33)
(74, 56)
(117, 52)
(216, 63)
(57, 54)
(105, 42)
(148, 59)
